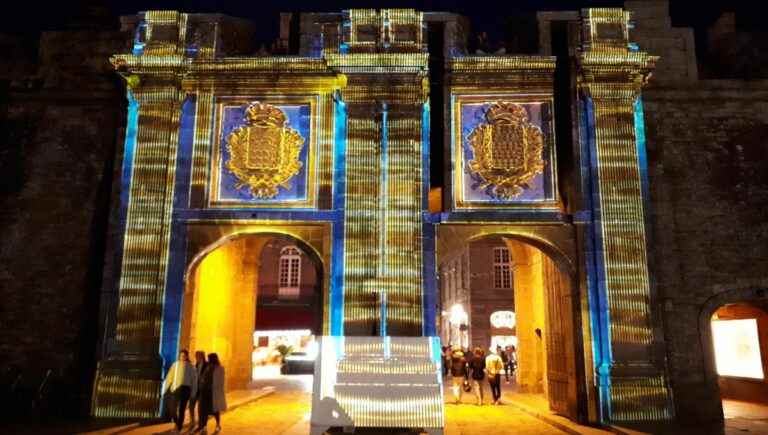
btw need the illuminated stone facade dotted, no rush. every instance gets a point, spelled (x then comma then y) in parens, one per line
(338, 141)
(355, 102)
(340, 138)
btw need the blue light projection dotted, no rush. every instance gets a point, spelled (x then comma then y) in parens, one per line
(339, 202)
(595, 262)
(539, 189)
(299, 119)
(174, 289)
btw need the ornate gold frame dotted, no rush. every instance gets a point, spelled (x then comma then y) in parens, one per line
(457, 151)
(214, 200)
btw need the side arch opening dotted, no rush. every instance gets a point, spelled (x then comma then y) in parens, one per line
(235, 304)
(488, 272)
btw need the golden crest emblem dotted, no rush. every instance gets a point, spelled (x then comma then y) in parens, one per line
(264, 153)
(507, 150)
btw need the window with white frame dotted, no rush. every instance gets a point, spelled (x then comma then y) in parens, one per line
(502, 269)
(290, 272)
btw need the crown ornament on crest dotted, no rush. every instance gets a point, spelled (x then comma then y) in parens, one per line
(506, 113)
(264, 115)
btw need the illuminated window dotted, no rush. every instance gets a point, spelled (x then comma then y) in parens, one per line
(290, 272)
(737, 348)
(502, 270)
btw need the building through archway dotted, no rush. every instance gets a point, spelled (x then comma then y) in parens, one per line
(247, 295)
(502, 292)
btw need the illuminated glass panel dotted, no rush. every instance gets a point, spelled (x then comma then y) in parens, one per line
(737, 348)
(378, 382)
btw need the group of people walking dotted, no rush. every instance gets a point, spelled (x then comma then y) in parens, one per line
(469, 369)
(201, 385)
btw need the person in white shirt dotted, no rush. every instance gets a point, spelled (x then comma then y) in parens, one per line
(180, 384)
(493, 367)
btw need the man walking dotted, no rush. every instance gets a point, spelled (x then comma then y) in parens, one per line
(493, 366)
(180, 384)
(504, 359)
(458, 373)
(511, 363)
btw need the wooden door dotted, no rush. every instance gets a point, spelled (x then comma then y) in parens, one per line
(561, 362)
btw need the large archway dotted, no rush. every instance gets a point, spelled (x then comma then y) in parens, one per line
(494, 270)
(248, 286)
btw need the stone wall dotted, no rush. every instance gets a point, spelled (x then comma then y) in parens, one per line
(61, 117)
(485, 298)
(708, 175)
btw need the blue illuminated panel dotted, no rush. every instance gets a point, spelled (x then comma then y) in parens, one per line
(230, 188)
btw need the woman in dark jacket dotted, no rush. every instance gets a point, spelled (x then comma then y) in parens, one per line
(468, 357)
(212, 398)
(478, 374)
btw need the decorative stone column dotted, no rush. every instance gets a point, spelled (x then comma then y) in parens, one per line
(385, 95)
(629, 363)
(128, 378)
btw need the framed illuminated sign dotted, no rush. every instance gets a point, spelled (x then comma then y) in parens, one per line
(264, 153)
(737, 348)
(503, 149)
(503, 319)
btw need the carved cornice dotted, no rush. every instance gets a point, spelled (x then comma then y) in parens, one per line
(609, 65)
(502, 64)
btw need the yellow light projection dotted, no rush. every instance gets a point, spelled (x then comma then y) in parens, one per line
(160, 77)
(612, 76)
(530, 312)
(383, 221)
(737, 348)
(222, 294)
(385, 94)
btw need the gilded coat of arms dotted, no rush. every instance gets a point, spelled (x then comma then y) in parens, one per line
(264, 153)
(507, 150)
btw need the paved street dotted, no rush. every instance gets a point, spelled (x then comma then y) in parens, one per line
(286, 411)
(466, 419)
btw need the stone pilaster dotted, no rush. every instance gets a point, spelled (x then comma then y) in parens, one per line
(128, 378)
(631, 370)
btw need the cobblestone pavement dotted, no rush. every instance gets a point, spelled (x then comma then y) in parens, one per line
(469, 419)
(745, 417)
(287, 412)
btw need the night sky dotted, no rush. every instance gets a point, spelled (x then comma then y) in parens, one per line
(31, 17)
